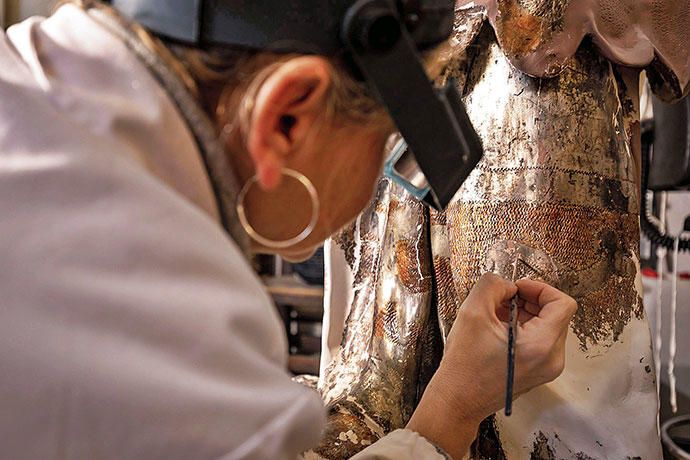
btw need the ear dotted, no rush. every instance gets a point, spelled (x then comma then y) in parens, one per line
(288, 104)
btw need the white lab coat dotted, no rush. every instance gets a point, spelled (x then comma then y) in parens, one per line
(131, 326)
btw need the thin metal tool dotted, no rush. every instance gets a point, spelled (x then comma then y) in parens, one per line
(514, 260)
(512, 337)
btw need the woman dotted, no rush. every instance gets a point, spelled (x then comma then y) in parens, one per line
(132, 325)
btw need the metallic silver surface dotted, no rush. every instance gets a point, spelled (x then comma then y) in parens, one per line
(514, 261)
(560, 176)
(371, 387)
(539, 37)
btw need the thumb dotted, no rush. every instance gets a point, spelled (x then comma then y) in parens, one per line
(554, 306)
(491, 291)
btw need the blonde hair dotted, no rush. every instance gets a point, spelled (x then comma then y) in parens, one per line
(236, 75)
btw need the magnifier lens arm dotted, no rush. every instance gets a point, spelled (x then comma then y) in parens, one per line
(433, 121)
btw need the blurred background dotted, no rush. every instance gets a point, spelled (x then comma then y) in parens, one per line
(12, 11)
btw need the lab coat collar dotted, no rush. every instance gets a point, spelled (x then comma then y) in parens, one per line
(220, 171)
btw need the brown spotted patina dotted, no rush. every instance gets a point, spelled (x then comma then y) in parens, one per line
(541, 450)
(563, 181)
(413, 277)
(560, 175)
(391, 344)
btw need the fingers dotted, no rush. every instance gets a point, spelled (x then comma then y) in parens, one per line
(494, 289)
(532, 308)
(537, 292)
(552, 304)
(488, 295)
(524, 314)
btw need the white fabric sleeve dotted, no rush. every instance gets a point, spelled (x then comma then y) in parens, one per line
(402, 445)
(131, 327)
(398, 445)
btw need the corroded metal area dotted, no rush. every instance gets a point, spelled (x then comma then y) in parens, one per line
(540, 36)
(513, 260)
(560, 176)
(562, 180)
(372, 385)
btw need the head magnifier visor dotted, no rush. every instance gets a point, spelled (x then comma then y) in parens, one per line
(381, 39)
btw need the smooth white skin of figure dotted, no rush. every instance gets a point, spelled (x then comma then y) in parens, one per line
(287, 129)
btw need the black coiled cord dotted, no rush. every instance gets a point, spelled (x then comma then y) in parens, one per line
(651, 231)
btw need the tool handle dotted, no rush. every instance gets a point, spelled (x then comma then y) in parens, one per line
(510, 376)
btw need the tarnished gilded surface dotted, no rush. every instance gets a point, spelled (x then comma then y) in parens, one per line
(514, 261)
(540, 36)
(594, 250)
(562, 180)
(372, 385)
(559, 176)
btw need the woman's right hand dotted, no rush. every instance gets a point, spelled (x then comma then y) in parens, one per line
(470, 382)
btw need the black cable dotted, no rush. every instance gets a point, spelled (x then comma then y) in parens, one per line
(650, 229)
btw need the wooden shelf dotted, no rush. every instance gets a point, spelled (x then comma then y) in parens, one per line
(301, 305)
(304, 364)
(291, 291)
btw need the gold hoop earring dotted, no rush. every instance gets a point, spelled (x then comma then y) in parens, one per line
(278, 244)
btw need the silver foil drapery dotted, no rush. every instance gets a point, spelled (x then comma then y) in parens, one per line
(560, 175)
